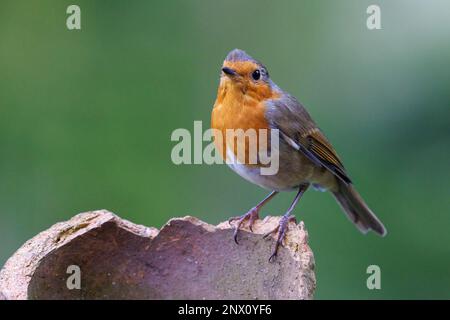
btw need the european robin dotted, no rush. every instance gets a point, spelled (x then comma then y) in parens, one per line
(248, 99)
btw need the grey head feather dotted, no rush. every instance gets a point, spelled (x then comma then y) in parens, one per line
(237, 55)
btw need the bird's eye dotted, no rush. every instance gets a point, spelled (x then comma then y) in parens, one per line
(256, 74)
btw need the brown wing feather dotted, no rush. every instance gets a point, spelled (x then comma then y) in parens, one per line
(297, 126)
(318, 144)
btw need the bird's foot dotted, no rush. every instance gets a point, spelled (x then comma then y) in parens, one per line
(281, 228)
(251, 216)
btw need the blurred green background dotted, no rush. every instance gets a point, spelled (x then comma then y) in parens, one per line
(86, 118)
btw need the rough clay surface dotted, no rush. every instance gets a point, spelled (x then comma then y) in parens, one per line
(186, 259)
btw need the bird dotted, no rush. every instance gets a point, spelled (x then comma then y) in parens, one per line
(247, 98)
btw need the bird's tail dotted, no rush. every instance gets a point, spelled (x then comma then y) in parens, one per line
(357, 211)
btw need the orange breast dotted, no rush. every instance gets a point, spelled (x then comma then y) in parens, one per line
(234, 110)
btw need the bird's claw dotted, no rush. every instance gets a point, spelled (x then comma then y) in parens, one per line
(251, 216)
(281, 228)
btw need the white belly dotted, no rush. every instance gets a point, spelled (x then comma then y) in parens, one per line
(253, 174)
(294, 170)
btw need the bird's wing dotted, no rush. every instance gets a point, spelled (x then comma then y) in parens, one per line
(299, 130)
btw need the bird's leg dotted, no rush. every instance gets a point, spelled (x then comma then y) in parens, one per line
(251, 215)
(285, 219)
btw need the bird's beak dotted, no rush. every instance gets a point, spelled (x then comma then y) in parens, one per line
(229, 72)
